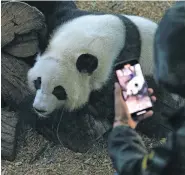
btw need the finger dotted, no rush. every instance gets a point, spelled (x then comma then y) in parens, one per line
(148, 114)
(153, 98)
(118, 95)
(117, 99)
(120, 105)
(127, 78)
(150, 91)
(117, 90)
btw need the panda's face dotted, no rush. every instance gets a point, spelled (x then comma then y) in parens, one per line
(135, 85)
(57, 85)
(45, 83)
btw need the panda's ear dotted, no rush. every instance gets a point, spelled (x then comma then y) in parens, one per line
(86, 63)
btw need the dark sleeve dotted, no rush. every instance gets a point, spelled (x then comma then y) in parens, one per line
(129, 155)
(177, 119)
(126, 150)
(176, 149)
(169, 52)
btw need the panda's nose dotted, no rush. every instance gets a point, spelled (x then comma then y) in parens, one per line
(40, 111)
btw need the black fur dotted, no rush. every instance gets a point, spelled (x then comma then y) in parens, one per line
(87, 63)
(37, 83)
(132, 49)
(60, 93)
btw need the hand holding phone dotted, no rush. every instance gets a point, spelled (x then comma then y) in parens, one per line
(122, 115)
(134, 87)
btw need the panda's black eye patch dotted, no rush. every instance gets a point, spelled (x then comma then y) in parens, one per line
(60, 93)
(87, 63)
(37, 83)
(136, 84)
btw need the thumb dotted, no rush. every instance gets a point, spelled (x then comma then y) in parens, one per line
(119, 102)
(117, 98)
(117, 90)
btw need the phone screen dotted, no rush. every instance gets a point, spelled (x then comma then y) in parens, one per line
(134, 87)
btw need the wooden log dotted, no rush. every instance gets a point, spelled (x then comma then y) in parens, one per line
(18, 18)
(14, 80)
(23, 46)
(9, 129)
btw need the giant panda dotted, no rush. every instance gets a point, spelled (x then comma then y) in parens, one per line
(78, 54)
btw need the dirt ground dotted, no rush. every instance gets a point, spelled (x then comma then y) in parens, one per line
(37, 156)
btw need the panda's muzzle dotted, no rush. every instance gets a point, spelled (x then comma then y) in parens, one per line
(40, 111)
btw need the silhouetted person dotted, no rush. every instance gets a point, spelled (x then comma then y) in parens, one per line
(126, 149)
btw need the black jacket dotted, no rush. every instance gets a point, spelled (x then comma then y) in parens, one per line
(129, 155)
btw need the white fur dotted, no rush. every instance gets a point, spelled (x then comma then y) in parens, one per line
(102, 36)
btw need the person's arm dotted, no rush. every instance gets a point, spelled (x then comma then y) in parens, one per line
(126, 150)
(129, 155)
(125, 146)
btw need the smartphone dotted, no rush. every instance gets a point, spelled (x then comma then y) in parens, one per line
(134, 87)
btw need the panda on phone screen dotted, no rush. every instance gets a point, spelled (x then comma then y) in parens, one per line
(135, 85)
